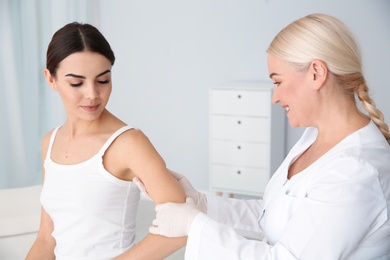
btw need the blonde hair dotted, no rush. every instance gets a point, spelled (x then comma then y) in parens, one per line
(323, 37)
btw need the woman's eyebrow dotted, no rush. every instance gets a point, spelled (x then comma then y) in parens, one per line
(74, 75)
(273, 74)
(83, 77)
(105, 72)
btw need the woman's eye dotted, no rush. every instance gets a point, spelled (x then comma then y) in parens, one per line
(276, 83)
(103, 81)
(76, 84)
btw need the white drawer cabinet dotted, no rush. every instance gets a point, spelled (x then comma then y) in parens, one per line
(246, 138)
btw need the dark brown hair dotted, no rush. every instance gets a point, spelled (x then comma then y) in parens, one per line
(76, 37)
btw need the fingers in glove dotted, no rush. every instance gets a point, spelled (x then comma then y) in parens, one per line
(139, 184)
(174, 219)
(141, 187)
(177, 175)
(154, 230)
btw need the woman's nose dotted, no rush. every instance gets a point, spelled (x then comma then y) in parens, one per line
(91, 91)
(275, 98)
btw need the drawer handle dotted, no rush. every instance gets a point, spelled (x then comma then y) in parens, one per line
(238, 172)
(239, 122)
(239, 147)
(239, 96)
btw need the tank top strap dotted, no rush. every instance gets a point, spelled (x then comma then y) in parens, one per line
(113, 137)
(52, 137)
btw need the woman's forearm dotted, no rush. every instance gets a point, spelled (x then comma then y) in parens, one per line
(154, 247)
(41, 250)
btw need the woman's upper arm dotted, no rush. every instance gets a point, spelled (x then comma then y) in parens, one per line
(146, 163)
(43, 247)
(46, 227)
(46, 224)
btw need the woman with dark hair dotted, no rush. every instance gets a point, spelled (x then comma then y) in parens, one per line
(89, 201)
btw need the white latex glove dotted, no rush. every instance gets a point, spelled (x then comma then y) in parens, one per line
(141, 187)
(174, 219)
(198, 197)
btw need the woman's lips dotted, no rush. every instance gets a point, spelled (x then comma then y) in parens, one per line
(286, 108)
(90, 108)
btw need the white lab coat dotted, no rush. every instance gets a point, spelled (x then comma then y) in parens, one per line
(337, 208)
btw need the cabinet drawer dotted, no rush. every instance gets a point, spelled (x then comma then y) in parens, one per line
(240, 128)
(238, 179)
(240, 102)
(240, 153)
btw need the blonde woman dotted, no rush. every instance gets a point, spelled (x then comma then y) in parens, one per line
(330, 197)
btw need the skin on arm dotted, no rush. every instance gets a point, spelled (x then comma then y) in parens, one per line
(143, 160)
(43, 247)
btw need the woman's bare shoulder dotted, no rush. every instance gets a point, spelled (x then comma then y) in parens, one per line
(133, 137)
(45, 143)
(46, 137)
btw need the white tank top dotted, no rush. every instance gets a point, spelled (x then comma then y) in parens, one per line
(93, 212)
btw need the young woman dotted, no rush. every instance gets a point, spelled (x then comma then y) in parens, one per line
(330, 198)
(89, 201)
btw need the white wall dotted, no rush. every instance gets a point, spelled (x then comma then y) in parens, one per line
(169, 53)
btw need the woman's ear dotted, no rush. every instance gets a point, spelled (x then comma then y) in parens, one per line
(319, 72)
(50, 79)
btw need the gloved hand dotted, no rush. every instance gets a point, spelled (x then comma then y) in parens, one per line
(198, 197)
(174, 219)
(141, 187)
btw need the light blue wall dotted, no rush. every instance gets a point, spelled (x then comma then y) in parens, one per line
(170, 52)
